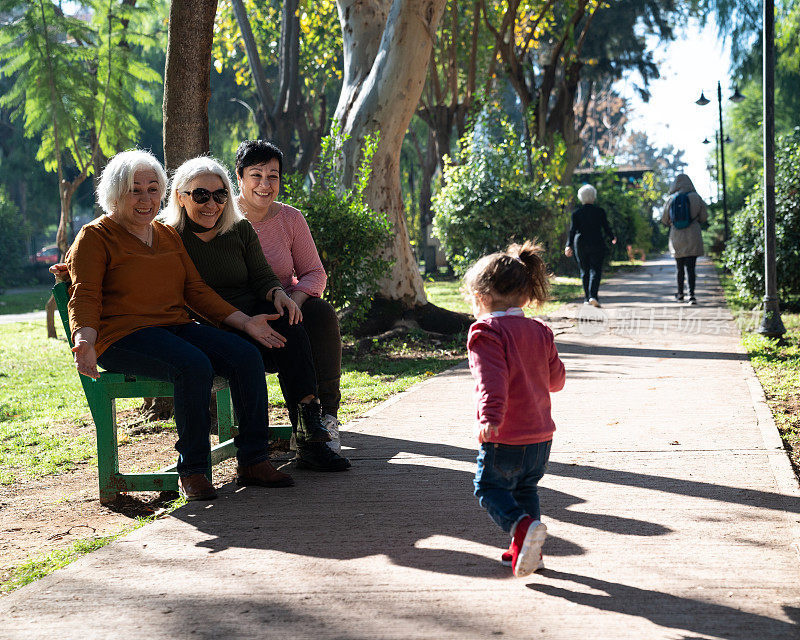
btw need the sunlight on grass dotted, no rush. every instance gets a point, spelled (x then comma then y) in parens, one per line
(24, 302)
(42, 406)
(776, 363)
(447, 294)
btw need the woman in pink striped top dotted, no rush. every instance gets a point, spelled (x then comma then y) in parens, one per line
(290, 250)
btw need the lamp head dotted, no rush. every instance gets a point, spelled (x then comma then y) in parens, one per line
(702, 100)
(736, 97)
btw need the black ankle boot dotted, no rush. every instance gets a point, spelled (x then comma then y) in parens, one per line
(309, 423)
(318, 456)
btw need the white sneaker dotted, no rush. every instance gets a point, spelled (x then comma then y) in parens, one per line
(594, 302)
(332, 425)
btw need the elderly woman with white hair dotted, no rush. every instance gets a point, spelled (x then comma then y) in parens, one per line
(589, 223)
(226, 251)
(131, 282)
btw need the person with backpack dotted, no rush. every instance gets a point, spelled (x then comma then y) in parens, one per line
(683, 213)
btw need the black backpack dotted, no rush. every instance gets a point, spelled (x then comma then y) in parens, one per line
(680, 213)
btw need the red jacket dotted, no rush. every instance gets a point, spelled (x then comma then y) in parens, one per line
(515, 365)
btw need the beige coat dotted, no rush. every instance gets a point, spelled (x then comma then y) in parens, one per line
(689, 241)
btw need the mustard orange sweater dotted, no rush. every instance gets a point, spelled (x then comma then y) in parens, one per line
(120, 285)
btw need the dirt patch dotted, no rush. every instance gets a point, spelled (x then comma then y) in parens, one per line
(48, 513)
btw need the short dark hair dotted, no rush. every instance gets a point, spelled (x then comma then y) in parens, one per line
(252, 152)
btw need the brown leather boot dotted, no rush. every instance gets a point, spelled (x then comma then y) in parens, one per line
(196, 487)
(262, 474)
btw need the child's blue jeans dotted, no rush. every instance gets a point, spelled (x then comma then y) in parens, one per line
(507, 479)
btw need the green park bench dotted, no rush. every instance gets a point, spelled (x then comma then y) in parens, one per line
(101, 394)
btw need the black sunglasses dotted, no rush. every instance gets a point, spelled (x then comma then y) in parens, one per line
(201, 196)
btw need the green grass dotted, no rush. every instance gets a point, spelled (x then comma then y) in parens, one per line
(445, 293)
(24, 302)
(776, 363)
(41, 565)
(42, 406)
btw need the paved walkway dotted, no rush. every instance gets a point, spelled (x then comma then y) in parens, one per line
(672, 510)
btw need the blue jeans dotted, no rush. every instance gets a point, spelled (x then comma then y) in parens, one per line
(507, 479)
(188, 356)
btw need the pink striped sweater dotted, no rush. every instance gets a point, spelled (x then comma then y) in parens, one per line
(290, 250)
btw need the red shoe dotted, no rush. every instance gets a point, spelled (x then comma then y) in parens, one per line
(526, 546)
(506, 558)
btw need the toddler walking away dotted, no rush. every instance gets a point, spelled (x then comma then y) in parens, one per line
(515, 364)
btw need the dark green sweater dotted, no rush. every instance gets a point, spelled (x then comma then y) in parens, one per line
(233, 265)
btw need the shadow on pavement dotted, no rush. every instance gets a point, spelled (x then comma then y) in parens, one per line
(417, 512)
(671, 611)
(637, 352)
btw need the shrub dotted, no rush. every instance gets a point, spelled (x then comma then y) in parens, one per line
(12, 243)
(488, 198)
(744, 255)
(350, 237)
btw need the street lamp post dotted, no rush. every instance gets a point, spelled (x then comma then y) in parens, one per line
(702, 101)
(771, 324)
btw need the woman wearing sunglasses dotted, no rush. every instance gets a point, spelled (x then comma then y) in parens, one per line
(225, 249)
(131, 282)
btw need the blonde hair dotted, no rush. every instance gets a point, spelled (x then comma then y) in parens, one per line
(587, 194)
(117, 177)
(517, 272)
(175, 213)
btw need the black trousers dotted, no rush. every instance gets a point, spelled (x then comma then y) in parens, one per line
(322, 327)
(293, 361)
(590, 261)
(686, 264)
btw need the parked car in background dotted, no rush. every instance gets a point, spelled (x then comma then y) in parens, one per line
(47, 255)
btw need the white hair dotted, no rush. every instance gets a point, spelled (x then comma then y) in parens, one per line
(587, 194)
(117, 177)
(175, 214)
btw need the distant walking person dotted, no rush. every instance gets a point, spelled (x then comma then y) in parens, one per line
(589, 223)
(683, 213)
(515, 364)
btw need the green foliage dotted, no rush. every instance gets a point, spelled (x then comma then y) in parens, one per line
(629, 207)
(744, 255)
(489, 200)
(74, 80)
(350, 237)
(12, 243)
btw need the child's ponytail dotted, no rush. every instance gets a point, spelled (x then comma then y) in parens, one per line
(518, 272)
(530, 254)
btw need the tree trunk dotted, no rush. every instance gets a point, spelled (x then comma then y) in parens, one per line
(65, 193)
(386, 56)
(187, 80)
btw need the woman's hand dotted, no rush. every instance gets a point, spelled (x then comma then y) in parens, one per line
(257, 327)
(85, 355)
(614, 240)
(60, 271)
(568, 252)
(284, 304)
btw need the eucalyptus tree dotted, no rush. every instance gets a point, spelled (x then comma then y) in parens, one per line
(387, 47)
(460, 76)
